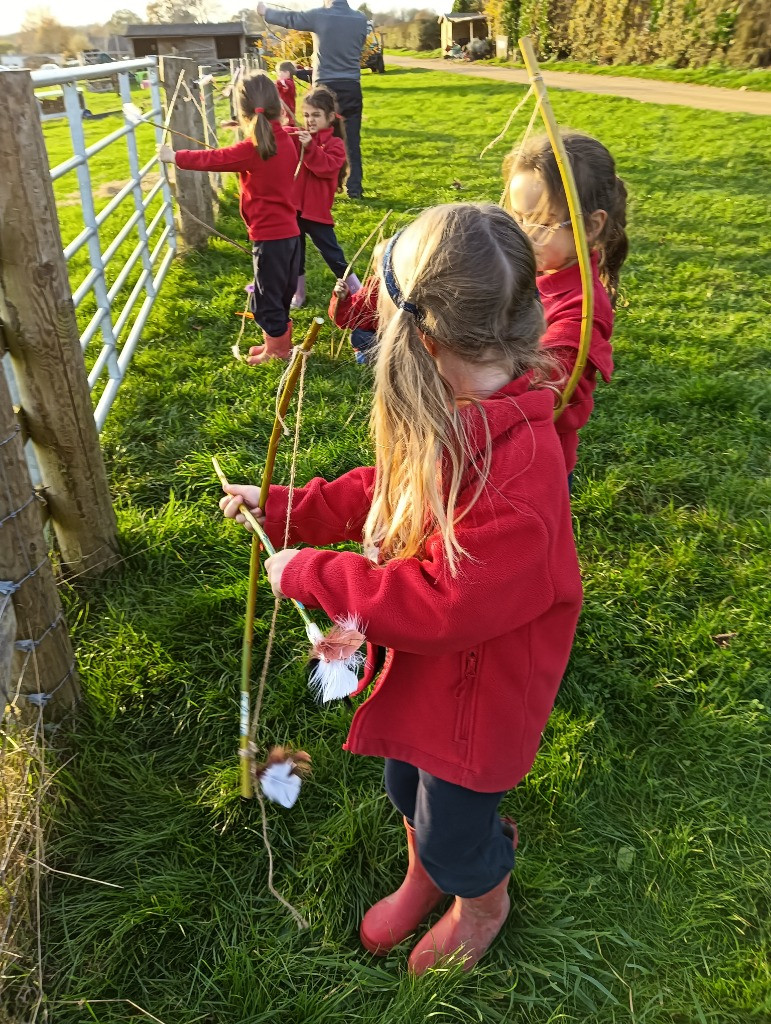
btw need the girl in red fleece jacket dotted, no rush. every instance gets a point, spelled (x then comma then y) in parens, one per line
(536, 199)
(473, 592)
(265, 163)
(287, 90)
(321, 172)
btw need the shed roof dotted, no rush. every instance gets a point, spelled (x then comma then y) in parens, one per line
(216, 28)
(463, 17)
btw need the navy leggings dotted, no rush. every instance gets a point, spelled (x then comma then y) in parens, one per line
(276, 268)
(460, 841)
(324, 238)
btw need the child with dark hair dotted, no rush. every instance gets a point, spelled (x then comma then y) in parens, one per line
(536, 199)
(265, 163)
(287, 90)
(358, 311)
(322, 170)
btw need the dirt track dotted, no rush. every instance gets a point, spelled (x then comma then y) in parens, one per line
(704, 97)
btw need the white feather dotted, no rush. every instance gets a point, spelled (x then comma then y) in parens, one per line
(280, 785)
(333, 680)
(132, 113)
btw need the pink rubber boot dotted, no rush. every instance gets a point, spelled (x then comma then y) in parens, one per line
(467, 929)
(469, 926)
(391, 920)
(274, 348)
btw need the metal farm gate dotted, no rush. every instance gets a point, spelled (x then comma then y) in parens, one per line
(115, 319)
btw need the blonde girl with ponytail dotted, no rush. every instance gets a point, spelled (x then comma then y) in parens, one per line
(535, 196)
(265, 162)
(468, 585)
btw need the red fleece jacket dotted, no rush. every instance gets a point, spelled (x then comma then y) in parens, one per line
(287, 91)
(474, 661)
(357, 310)
(316, 184)
(561, 296)
(266, 186)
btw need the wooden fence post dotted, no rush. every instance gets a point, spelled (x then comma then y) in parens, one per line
(42, 664)
(42, 337)
(206, 94)
(7, 640)
(194, 192)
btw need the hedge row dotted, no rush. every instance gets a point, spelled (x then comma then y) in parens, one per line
(680, 33)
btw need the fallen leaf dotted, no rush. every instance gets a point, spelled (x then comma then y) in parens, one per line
(624, 858)
(724, 639)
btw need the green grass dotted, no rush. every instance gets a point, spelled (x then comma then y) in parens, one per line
(641, 894)
(755, 79)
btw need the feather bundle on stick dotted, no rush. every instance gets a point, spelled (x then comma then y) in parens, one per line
(337, 654)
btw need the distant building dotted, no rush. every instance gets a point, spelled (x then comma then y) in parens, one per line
(205, 43)
(460, 29)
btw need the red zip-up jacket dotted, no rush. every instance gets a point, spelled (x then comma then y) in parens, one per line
(316, 184)
(266, 186)
(561, 296)
(357, 310)
(474, 661)
(287, 91)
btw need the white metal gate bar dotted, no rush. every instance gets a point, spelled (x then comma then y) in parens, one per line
(155, 256)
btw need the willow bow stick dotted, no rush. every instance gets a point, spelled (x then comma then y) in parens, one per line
(283, 405)
(576, 219)
(170, 110)
(378, 227)
(254, 559)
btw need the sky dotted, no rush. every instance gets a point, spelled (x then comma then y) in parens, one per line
(86, 12)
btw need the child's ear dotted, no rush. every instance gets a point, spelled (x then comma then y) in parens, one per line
(595, 223)
(429, 343)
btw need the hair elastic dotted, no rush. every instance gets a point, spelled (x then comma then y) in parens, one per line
(259, 110)
(392, 286)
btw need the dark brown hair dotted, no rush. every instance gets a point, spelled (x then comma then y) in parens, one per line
(324, 99)
(258, 104)
(599, 188)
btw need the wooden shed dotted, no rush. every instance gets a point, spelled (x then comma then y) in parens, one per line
(206, 43)
(460, 29)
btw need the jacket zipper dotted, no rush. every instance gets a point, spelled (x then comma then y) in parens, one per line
(466, 695)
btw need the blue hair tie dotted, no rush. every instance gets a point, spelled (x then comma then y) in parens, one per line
(392, 285)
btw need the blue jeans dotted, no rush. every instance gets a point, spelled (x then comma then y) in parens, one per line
(351, 104)
(363, 344)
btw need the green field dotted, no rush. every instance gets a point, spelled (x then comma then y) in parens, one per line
(641, 893)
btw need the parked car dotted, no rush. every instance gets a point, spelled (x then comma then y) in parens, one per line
(372, 53)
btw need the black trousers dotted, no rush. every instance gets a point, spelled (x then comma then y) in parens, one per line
(276, 269)
(351, 104)
(323, 237)
(460, 840)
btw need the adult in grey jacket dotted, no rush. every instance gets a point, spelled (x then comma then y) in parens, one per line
(338, 39)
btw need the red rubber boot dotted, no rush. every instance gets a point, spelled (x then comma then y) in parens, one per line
(469, 926)
(391, 920)
(467, 929)
(279, 347)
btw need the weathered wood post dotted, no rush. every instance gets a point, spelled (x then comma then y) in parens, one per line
(194, 192)
(42, 665)
(42, 337)
(206, 99)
